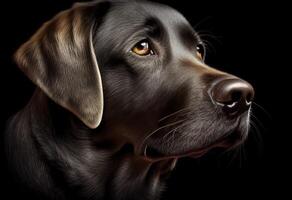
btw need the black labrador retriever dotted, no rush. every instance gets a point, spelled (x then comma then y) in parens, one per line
(122, 93)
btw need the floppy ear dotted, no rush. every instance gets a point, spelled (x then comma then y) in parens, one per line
(59, 58)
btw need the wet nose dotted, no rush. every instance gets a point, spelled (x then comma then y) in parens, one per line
(233, 95)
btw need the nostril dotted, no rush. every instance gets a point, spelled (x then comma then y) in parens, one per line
(236, 96)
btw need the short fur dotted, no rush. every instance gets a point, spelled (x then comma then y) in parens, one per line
(98, 106)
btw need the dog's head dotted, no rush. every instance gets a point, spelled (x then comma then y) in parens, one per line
(136, 71)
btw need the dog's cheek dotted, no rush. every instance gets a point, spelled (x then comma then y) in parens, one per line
(128, 90)
(117, 90)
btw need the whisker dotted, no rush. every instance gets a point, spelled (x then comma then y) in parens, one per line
(262, 109)
(174, 113)
(158, 129)
(257, 121)
(258, 139)
(209, 46)
(257, 135)
(206, 37)
(209, 34)
(171, 131)
(201, 22)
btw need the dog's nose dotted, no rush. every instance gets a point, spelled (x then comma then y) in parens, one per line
(233, 95)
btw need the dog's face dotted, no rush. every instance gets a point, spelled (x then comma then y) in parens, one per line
(133, 74)
(166, 101)
(138, 68)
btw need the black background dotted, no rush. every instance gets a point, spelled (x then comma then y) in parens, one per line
(249, 40)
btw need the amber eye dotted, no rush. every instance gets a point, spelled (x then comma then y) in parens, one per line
(200, 51)
(143, 48)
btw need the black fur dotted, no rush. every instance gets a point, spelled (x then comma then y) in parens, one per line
(57, 156)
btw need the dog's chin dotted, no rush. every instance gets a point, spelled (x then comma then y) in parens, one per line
(231, 139)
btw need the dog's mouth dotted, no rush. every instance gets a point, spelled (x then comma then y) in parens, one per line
(153, 154)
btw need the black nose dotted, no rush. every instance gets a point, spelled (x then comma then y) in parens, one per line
(233, 95)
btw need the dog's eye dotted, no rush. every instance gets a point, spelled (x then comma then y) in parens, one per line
(200, 51)
(143, 48)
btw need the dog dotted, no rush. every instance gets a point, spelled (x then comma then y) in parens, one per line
(122, 92)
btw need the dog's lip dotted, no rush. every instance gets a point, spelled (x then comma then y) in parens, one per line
(227, 142)
(194, 153)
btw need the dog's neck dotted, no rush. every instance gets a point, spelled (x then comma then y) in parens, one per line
(64, 152)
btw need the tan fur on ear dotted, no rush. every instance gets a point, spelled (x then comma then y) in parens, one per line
(59, 58)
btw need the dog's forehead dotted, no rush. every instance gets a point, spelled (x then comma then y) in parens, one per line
(127, 16)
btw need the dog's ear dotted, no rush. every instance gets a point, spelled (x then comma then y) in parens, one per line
(59, 58)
